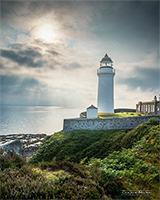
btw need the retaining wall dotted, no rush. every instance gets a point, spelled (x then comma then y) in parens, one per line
(104, 123)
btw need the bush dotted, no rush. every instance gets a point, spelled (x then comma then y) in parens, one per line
(10, 160)
(153, 121)
(74, 145)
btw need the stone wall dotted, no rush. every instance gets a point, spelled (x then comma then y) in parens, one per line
(104, 123)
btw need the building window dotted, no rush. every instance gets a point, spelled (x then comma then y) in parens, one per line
(153, 108)
(146, 108)
(142, 108)
(149, 110)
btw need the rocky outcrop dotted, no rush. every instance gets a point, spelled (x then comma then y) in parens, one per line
(14, 142)
(15, 146)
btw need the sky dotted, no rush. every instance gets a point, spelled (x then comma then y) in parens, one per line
(51, 50)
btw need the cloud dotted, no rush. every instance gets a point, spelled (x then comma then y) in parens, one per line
(61, 78)
(127, 98)
(22, 57)
(63, 71)
(68, 19)
(144, 74)
(15, 84)
(147, 78)
(44, 56)
(18, 90)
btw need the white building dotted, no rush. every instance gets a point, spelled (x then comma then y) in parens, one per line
(106, 86)
(92, 112)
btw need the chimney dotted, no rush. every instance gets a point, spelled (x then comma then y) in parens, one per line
(155, 98)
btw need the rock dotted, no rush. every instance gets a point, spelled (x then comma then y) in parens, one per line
(15, 146)
(30, 142)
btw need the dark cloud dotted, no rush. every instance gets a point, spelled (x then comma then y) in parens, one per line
(21, 90)
(14, 83)
(42, 55)
(8, 83)
(23, 57)
(53, 52)
(75, 65)
(145, 78)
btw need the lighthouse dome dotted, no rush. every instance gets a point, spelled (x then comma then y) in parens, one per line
(106, 59)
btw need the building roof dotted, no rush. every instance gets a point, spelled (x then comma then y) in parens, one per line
(92, 107)
(144, 102)
(106, 58)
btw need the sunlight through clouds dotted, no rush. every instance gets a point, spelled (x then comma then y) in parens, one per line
(58, 45)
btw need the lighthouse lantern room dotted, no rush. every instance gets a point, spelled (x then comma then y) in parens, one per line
(106, 74)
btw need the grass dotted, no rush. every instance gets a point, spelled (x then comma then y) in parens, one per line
(76, 145)
(122, 114)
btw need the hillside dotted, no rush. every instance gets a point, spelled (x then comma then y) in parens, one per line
(77, 145)
(88, 165)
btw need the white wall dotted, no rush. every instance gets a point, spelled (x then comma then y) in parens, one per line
(92, 113)
(105, 102)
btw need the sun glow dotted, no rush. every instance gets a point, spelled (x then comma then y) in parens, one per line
(46, 33)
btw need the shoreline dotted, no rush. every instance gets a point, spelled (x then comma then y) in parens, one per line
(31, 142)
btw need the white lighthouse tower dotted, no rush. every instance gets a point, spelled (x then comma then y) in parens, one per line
(106, 86)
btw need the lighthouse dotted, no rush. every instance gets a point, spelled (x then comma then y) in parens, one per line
(105, 74)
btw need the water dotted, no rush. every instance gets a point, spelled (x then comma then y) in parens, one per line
(34, 119)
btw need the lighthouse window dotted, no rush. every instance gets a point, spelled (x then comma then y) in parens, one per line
(109, 64)
(103, 64)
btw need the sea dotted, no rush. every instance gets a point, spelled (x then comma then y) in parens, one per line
(35, 119)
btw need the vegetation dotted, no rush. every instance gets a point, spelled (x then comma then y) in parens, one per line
(122, 114)
(76, 145)
(87, 165)
(136, 167)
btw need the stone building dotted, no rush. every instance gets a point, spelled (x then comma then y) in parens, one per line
(149, 107)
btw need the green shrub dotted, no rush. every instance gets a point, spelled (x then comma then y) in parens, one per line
(153, 121)
(5, 163)
(11, 160)
(134, 135)
(74, 145)
(43, 166)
